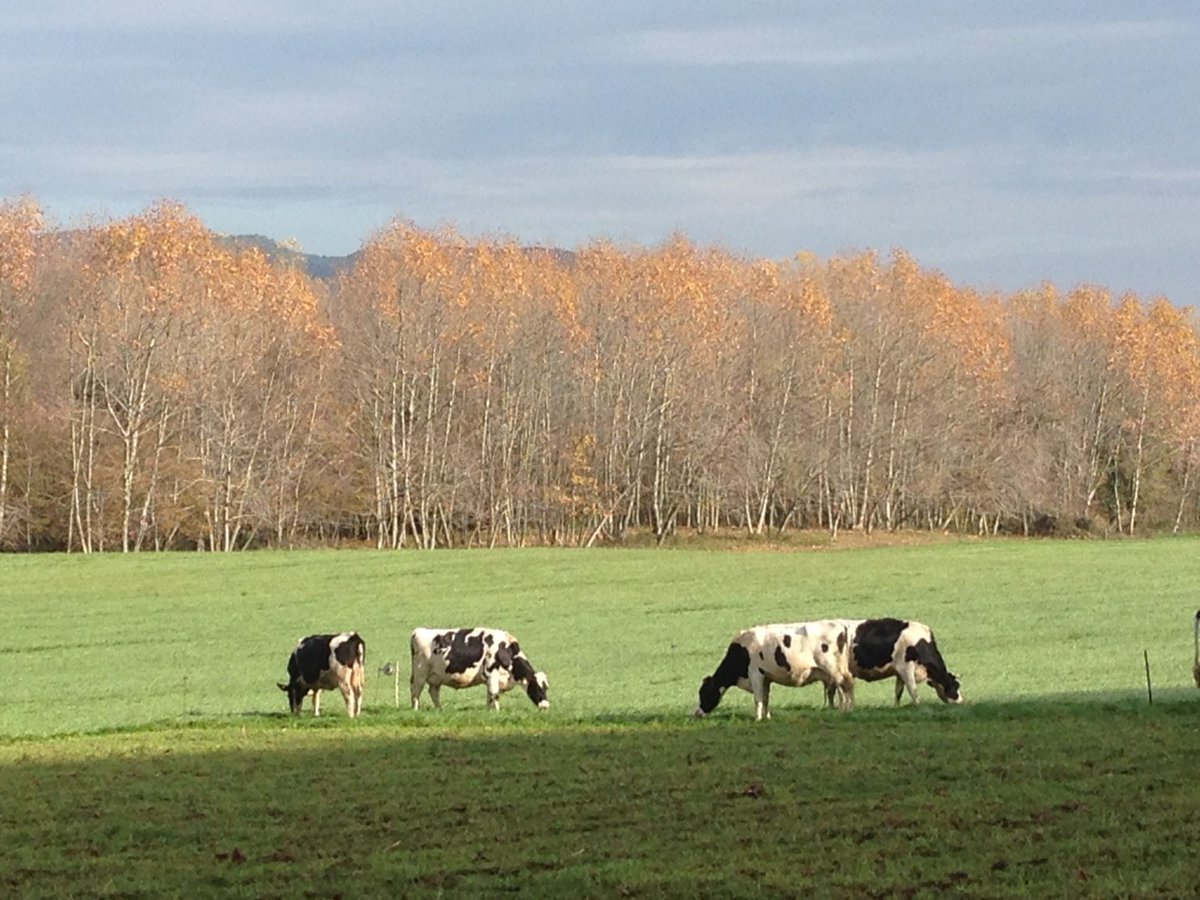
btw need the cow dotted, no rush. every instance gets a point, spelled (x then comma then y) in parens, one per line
(464, 657)
(900, 648)
(794, 655)
(1196, 664)
(322, 662)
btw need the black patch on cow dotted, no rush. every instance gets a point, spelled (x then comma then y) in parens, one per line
(310, 659)
(842, 640)
(305, 665)
(787, 640)
(781, 659)
(521, 667)
(464, 651)
(489, 639)
(735, 666)
(351, 650)
(502, 658)
(875, 641)
(926, 653)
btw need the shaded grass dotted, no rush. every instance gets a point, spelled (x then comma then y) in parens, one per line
(996, 800)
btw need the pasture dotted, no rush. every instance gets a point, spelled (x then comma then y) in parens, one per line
(144, 748)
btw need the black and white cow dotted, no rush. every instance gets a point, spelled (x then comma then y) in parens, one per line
(794, 655)
(323, 662)
(464, 657)
(899, 648)
(1196, 664)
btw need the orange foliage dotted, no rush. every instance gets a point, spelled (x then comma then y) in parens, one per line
(587, 363)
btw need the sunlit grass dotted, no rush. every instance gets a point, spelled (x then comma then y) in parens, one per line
(104, 641)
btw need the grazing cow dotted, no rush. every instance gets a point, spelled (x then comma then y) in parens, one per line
(464, 657)
(322, 662)
(883, 648)
(794, 655)
(1196, 664)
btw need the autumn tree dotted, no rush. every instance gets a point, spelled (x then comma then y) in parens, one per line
(253, 377)
(453, 391)
(391, 317)
(20, 228)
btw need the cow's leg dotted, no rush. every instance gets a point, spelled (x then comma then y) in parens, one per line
(358, 687)
(844, 690)
(416, 684)
(348, 696)
(761, 688)
(495, 685)
(316, 701)
(435, 696)
(906, 678)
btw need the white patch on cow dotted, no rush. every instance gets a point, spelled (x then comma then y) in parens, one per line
(795, 654)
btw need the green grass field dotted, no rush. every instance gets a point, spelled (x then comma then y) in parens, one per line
(145, 751)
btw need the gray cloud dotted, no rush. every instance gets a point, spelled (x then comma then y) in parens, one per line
(1002, 143)
(857, 44)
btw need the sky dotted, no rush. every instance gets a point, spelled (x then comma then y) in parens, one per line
(1004, 144)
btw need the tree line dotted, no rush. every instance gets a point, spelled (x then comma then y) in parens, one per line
(161, 389)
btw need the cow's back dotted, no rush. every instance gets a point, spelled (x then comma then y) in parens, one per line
(456, 657)
(797, 650)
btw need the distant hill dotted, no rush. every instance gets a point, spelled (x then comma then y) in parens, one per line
(327, 267)
(316, 266)
(313, 264)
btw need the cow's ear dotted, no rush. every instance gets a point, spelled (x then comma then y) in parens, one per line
(282, 687)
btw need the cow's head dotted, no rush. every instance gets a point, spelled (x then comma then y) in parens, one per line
(521, 670)
(710, 696)
(296, 694)
(536, 686)
(946, 688)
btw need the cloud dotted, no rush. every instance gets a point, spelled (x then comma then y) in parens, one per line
(855, 41)
(1002, 142)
